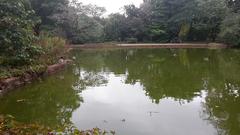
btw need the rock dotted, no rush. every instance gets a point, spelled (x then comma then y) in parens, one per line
(21, 100)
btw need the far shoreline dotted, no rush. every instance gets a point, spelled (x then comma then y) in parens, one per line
(148, 45)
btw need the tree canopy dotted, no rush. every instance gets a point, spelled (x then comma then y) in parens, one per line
(23, 21)
(175, 20)
(153, 21)
(16, 36)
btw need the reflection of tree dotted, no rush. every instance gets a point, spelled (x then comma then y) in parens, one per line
(50, 103)
(163, 73)
(178, 74)
(90, 70)
(221, 107)
(89, 79)
(157, 73)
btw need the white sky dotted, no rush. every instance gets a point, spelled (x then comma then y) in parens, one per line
(112, 6)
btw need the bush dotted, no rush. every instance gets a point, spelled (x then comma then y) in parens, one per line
(54, 48)
(78, 40)
(16, 36)
(6, 72)
(131, 40)
(230, 32)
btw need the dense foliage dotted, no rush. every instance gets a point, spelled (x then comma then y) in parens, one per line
(230, 30)
(16, 35)
(23, 22)
(33, 32)
(177, 21)
(72, 20)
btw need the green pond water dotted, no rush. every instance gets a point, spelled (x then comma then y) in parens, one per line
(137, 92)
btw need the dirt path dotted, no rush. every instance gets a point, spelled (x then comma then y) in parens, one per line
(168, 45)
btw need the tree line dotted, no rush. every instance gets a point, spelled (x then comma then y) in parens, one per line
(33, 29)
(24, 22)
(177, 21)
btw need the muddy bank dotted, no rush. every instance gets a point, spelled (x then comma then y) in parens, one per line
(15, 82)
(168, 45)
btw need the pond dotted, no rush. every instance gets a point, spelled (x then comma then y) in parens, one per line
(137, 92)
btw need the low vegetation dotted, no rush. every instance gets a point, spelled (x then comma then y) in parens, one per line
(9, 126)
(34, 32)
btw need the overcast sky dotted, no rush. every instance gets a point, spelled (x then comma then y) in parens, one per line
(112, 6)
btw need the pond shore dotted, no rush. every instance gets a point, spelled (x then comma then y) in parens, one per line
(153, 45)
(15, 82)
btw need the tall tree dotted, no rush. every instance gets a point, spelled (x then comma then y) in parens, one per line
(46, 9)
(81, 23)
(230, 27)
(115, 27)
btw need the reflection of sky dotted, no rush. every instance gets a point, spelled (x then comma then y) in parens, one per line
(106, 106)
(112, 6)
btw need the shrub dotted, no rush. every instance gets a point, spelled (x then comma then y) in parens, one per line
(230, 32)
(131, 40)
(4, 73)
(54, 48)
(77, 40)
(16, 35)
(184, 31)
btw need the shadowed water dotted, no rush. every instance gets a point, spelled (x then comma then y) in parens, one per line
(137, 92)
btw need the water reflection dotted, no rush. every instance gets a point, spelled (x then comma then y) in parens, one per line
(163, 73)
(138, 91)
(49, 102)
(88, 79)
(181, 75)
(222, 109)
